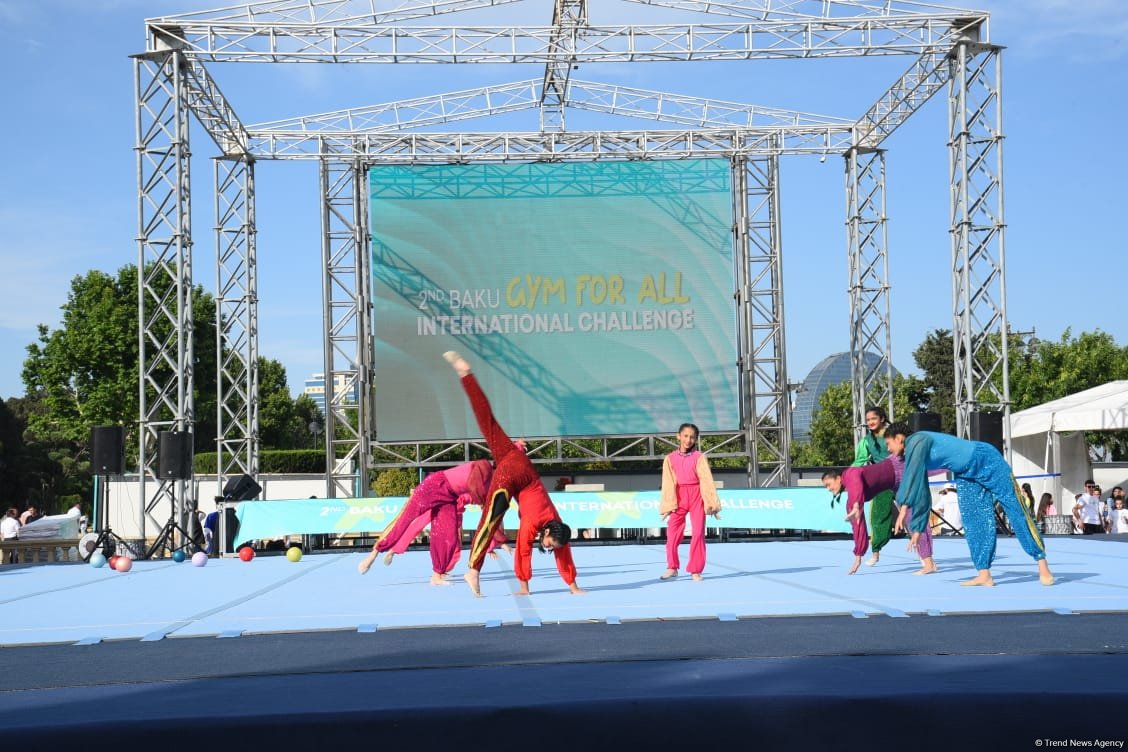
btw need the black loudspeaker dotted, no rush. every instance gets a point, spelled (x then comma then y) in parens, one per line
(174, 455)
(243, 488)
(107, 450)
(924, 422)
(987, 427)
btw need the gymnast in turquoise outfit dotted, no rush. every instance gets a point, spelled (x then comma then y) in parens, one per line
(982, 476)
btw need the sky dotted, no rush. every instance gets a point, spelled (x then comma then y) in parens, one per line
(68, 193)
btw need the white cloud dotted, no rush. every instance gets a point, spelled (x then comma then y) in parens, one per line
(1089, 31)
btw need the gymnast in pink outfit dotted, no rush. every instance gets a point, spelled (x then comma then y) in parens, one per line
(438, 501)
(687, 490)
(419, 524)
(861, 484)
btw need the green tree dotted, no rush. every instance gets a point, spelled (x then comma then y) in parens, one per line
(1050, 370)
(85, 374)
(832, 425)
(935, 358)
(397, 481)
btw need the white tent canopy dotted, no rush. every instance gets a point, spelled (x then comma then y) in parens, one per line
(1048, 441)
(1102, 408)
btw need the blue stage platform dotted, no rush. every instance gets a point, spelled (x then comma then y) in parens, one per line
(776, 646)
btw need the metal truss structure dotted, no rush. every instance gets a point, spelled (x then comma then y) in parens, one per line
(947, 46)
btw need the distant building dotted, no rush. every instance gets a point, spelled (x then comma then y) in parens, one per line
(315, 389)
(831, 370)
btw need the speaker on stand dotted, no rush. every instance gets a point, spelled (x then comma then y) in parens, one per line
(107, 452)
(174, 462)
(924, 422)
(987, 427)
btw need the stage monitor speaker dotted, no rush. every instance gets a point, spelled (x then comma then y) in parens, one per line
(924, 422)
(987, 427)
(243, 488)
(107, 450)
(174, 455)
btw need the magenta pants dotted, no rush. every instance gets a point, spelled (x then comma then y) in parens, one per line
(436, 503)
(924, 544)
(861, 534)
(691, 505)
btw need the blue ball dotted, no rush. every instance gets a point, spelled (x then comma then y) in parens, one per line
(178, 556)
(97, 560)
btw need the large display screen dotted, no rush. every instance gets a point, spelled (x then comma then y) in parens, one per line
(592, 298)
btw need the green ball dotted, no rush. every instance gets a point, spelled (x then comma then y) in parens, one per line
(293, 553)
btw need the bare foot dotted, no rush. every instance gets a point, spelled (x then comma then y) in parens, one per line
(472, 576)
(493, 554)
(364, 565)
(388, 557)
(697, 577)
(927, 570)
(857, 563)
(437, 579)
(983, 579)
(669, 574)
(873, 559)
(1045, 576)
(461, 367)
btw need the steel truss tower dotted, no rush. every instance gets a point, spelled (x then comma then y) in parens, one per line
(868, 263)
(979, 314)
(947, 46)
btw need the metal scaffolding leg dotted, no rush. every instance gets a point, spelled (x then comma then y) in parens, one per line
(567, 17)
(348, 342)
(764, 409)
(164, 270)
(237, 377)
(979, 320)
(868, 262)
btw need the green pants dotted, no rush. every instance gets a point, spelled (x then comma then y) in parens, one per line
(881, 520)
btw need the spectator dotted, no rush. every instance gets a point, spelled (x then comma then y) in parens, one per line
(1118, 519)
(31, 514)
(1046, 509)
(949, 509)
(10, 525)
(1110, 505)
(1027, 498)
(1087, 511)
(10, 530)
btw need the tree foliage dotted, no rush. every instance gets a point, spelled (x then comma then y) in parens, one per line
(1050, 370)
(832, 425)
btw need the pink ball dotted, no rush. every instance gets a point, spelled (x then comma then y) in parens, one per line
(123, 564)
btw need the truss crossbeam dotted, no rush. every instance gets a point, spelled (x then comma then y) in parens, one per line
(403, 148)
(811, 38)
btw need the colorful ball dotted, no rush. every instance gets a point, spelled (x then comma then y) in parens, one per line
(178, 556)
(293, 553)
(246, 553)
(112, 561)
(124, 564)
(199, 559)
(97, 560)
